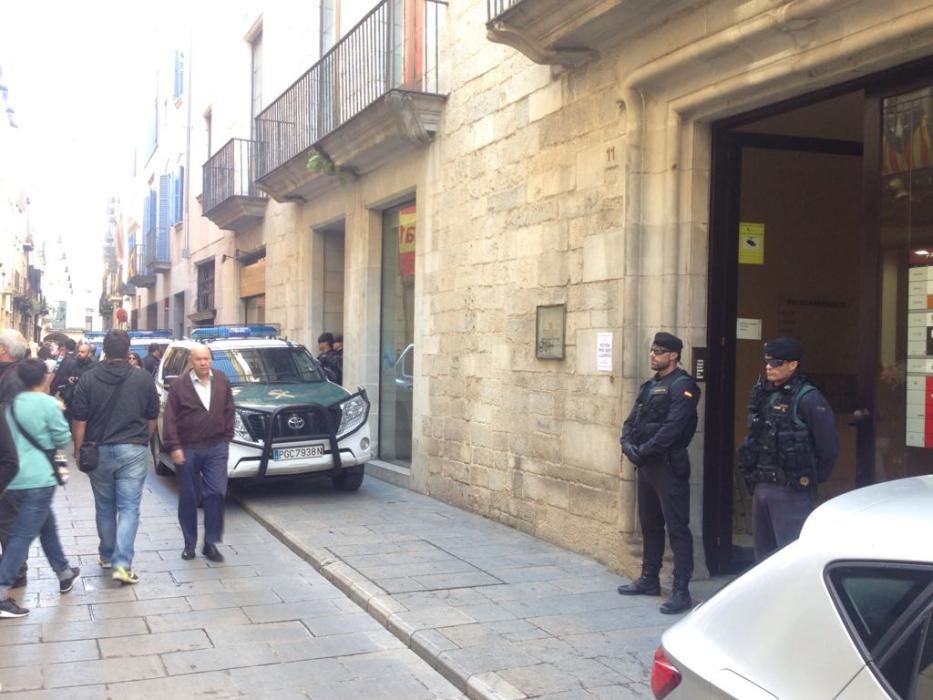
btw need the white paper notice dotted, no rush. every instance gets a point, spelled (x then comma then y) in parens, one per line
(604, 352)
(748, 329)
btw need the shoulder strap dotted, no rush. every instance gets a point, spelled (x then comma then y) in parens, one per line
(32, 441)
(107, 411)
(804, 389)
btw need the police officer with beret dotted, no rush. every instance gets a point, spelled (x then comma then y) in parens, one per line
(654, 438)
(791, 446)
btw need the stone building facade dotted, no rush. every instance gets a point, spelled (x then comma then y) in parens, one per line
(546, 154)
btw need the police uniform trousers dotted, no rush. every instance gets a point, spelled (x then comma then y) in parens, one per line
(664, 500)
(778, 514)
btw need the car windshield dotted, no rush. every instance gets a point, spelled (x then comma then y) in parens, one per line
(274, 365)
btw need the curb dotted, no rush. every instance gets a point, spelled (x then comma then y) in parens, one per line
(383, 608)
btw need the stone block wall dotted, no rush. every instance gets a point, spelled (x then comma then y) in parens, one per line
(528, 211)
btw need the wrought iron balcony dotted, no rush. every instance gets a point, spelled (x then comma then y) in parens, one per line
(139, 273)
(157, 254)
(230, 196)
(375, 94)
(572, 32)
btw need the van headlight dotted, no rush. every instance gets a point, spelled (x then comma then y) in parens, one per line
(241, 429)
(353, 413)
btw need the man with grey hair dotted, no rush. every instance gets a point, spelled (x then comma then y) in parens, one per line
(12, 350)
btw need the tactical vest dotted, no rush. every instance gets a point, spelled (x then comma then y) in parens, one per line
(779, 437)
(653, 405)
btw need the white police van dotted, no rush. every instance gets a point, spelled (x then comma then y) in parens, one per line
(290, 420)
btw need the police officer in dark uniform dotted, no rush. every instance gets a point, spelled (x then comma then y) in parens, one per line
(654, 438)
(791, 446)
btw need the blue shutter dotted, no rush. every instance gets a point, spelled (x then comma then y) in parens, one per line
(178, 190)
(165, 205)
(153, 221)
(145, 215)
(179, 74)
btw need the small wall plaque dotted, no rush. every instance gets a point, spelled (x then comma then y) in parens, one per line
(550, 329)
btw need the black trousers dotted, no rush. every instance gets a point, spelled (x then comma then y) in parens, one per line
(664, 501)
(8, 512)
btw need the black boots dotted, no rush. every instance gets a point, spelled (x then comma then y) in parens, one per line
(680, 600)
(646, 584)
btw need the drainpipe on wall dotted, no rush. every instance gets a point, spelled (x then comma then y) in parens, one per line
(186, 251)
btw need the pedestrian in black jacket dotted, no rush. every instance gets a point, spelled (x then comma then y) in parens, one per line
(116, 406)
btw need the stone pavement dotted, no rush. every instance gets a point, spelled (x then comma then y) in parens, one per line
(498, 612)
(264, 624)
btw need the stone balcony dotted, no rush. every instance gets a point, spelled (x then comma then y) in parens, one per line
(373, 96)
(571, 33)
(230, 197)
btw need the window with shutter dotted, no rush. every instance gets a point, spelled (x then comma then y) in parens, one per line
(178, 191)
(165, 206)
(179, 74)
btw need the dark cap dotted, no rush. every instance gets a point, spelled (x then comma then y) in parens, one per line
(784, 348)
(669, 342)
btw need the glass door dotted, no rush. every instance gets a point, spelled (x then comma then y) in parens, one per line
(903, 175)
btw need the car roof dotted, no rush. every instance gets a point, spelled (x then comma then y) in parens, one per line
(875, 519)
(236, 343)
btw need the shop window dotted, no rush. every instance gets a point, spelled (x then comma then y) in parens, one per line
(396, 376)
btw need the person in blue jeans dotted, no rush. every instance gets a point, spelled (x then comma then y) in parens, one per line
(33, 488)
(116, 406)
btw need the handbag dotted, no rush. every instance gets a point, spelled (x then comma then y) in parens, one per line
(88, 457)
(59, 468)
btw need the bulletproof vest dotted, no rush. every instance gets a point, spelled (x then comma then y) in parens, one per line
(779, 436)
(652, 407)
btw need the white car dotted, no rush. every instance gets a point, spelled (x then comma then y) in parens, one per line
(844, 612)
(289, 419)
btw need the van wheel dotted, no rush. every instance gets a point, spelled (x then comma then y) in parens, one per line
(349, 478)
(160, 468)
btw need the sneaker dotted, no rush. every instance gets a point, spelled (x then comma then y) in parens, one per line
(66, 584)
(124, 575)
(105, 563)
(9, 608)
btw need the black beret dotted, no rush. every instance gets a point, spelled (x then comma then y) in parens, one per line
(669, 342)
(784, 348)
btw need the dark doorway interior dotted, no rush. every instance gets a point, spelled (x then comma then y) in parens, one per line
(793, 267)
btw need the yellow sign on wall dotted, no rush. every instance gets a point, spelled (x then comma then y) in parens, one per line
(751, 243)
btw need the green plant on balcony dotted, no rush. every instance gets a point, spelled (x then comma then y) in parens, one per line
(320, 163)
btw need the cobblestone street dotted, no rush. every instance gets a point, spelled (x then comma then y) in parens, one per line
(264, 624)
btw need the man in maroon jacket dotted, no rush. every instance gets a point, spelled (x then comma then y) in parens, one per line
(196, 429)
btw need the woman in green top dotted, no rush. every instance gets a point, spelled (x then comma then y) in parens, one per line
(33, 488)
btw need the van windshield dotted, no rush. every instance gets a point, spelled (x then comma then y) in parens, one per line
(282, 365)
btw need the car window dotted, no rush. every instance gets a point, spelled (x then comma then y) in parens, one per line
(909, 679)
(924, 688)
(267, 365)
(874, 597)
(175, 362)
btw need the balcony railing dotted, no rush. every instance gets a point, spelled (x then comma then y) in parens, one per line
(139, 273)
(156, 254)
(494, 8)
(230, 173)
(395, 46)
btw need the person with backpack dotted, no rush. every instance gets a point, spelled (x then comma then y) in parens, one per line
(791, 446)
(114, 413)
(38, 427)
(654, 438)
